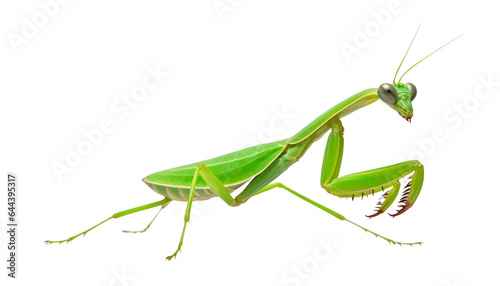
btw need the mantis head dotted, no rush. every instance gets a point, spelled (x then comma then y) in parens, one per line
(399, 96)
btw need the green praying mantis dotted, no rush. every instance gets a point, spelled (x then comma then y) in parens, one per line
(260, 165)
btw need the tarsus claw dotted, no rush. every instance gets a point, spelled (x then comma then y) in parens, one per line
(404, 205)
(412, 190)
(387, 199)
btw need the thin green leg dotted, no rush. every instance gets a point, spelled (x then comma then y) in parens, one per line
(116, 215)
(215, 185)
(333, 213)
(141, 231)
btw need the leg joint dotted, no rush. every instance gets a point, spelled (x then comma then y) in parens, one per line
(336, 125)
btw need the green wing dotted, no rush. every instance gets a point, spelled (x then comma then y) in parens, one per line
(231, 169)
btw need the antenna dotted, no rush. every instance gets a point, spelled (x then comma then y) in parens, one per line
(394, 80)
(428, 56)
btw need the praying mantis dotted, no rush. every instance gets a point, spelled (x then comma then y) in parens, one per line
(260, 165)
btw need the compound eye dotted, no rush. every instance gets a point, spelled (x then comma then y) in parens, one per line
(413, 90)
(388, 93)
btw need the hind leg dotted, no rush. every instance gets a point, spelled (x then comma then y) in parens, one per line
(165, 201)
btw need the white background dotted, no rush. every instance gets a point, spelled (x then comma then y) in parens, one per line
(230, 74)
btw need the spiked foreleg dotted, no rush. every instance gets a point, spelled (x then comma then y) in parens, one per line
(368, 182)
(375, 180)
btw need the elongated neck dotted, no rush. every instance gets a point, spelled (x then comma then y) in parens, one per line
(355, 102)
(317, 127)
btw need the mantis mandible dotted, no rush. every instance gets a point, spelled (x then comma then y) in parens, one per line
(260, 165)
